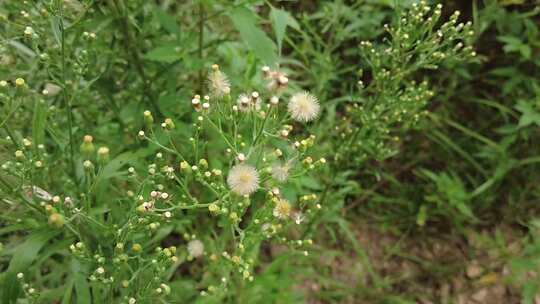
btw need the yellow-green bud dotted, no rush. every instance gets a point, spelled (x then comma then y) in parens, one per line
(166, 288)
(103, 155)
(120, 247)
(19, 154)
(203, 163)
(88, 165)
(20, 83)
(87, 147)
(136, 248)
(213, 207)
(169, 124)
(233, 216)
(185, 167)
(148, 118)
(56, 220)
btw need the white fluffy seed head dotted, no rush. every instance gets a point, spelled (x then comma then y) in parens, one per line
(304, 107)
(280, 172)
(218, 83)
(243, 179)
(195, 248)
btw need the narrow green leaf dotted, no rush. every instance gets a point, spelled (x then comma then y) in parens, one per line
(55, 26)
(27, 252)
(24, 255)
(82, 289)
(38, 122)
(9, 288)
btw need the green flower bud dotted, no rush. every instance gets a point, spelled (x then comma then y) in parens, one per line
(148, 118)
(87, 147)
(185, 167)
(136, 248)
(19, 155)
(103, 155)
(20, 83)
(203, 163)
(56, 220)
(169, 124)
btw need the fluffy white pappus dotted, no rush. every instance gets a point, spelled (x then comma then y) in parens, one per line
(218, 83)
(282, 210)
(280, 172)
(303, 107)
(195, 248)
(243, 179)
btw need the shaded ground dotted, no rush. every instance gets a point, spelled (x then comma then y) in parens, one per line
(424, 269)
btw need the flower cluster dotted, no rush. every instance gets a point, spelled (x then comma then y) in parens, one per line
(413, 45)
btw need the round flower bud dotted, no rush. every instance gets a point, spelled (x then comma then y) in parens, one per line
(169, 124)
(148, 118)
(136, 248)
(87, 147)
(203, 163)
(20, 83)
(185, 167)
(19, 154)
(56, 220)
(103, 155)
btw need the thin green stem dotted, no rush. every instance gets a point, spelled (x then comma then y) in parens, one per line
(66, 101)
(201, 45)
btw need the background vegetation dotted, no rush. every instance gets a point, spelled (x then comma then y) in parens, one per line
(431, 190)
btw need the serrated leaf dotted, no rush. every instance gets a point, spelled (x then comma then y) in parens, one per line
(280, 20)
(245, 21)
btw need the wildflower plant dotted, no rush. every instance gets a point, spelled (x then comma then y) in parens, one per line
(241, 153)
(175, 197)
(221, 189)
(134, 170)
(393, 90)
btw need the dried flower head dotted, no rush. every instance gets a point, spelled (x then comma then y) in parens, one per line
(218, 83)
(247, 102)
(303, 107)
(276, 80)
(243, 179)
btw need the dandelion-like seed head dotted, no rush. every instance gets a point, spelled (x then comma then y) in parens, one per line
(280, 172)
(243, 179)
(282, 210)
(304, 107)
(218, 83)
(195, 248)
